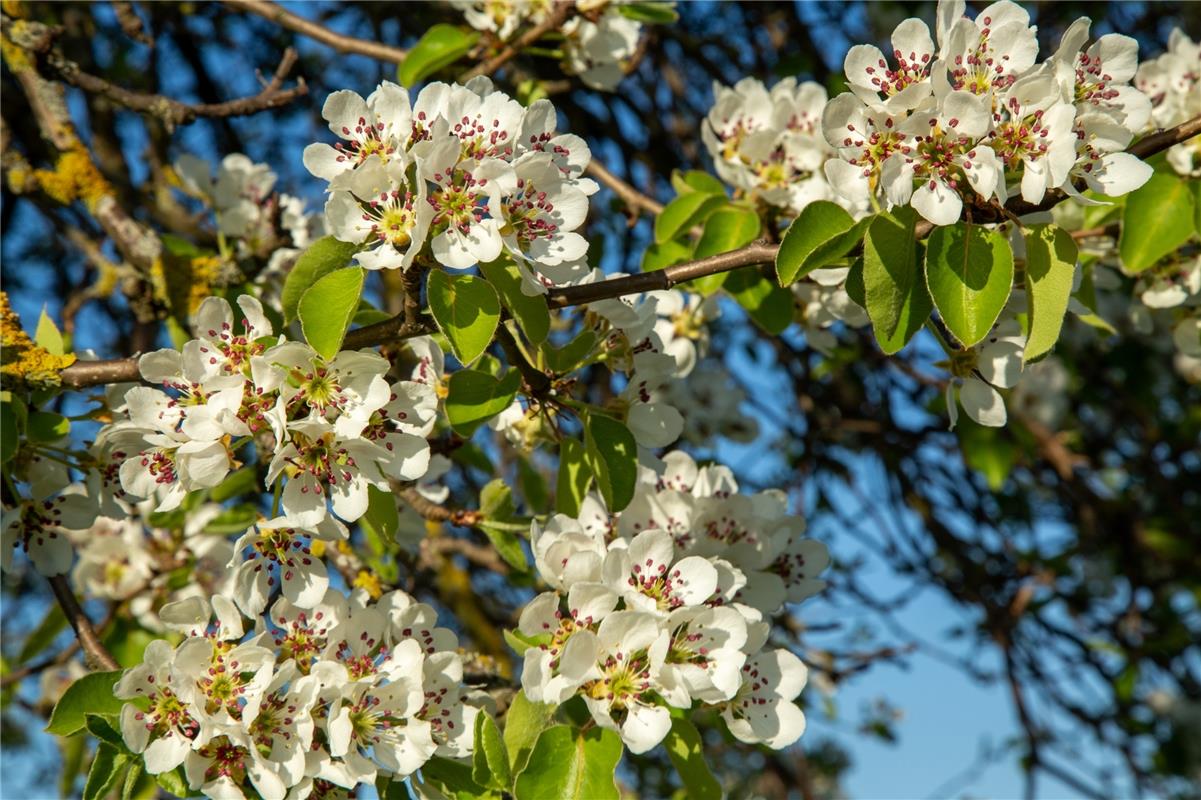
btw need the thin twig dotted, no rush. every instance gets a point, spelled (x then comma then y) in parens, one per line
(305, 27)
(635, 200)
(97, 654)
(553, 21)
(175, 112)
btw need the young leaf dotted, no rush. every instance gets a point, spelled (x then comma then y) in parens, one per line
(574, 478)
(533, 486)
(47, 335)
(1157, 219)
(666, 254)
(531, 313)
(475, 397)
(686, 751)
(103, 729)
(108, 767)
(685, 211)
(564, 359)
(453, 776)
(969, 271)
(496, 501)
(769, 306)
(1050, 268)
(467, 310)
(649, 12)
(821, 233)
(10, 431)
(726, 229)
(571, 765)
(46, 426)
(490, 760)
(321, 258)
(893, 287)
(524, 723)
(383, 517)
(441, 46)
(508, 546)
(91, 694)
(694, 180)
(612, 455)
(326, 308)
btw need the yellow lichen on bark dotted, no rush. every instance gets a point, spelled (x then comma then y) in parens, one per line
(23, 364)
(74, 177)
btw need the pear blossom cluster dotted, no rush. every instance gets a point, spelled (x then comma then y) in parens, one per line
(459, 176)
(597, 42)
(1172, 82)
(247, 210)
(968, 114)
(333, 427)
(311, 700)
(668, 602)
(769, 143)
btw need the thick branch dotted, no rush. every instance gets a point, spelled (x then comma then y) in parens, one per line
(553, 21)
(175, 112)
(343, 44)
(97, 655)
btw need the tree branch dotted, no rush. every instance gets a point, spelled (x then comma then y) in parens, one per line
(343, 44)
(97, 655)
(175, 112)
(635, 200)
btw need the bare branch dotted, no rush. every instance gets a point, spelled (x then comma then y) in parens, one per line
(97, 654)
(635, 200)
(175, 112)
(343, 44)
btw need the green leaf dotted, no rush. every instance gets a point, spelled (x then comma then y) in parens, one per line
(694, 180)
(327, 307)
(10, 432)
(496, 501)
(52, 624)
(769, 306)
(440, 46)
(574, 478)
(666, 254)
(727, 229)
(475, 397)
(1157, 219)
(531, 313)
(235, 484)
(533, 486)
(127, 641)
(894, 289)
(987, 451)
(1194, 186)
(46, 426)
(567, 358)
(453, 776)
(1050, 267)
(685, 211)
(823, 232)
(47, 335)
(174, 782)
(686, 750)
(570, 765)
(651, 13)
(382, 518)
(91, 694)
(490, 760)
(524, 723)
(102, 728)
(467, 310)
(321, 258)
(108, 767)
(969, 271)
(133, 775)
(612, 455)
(508, 546)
